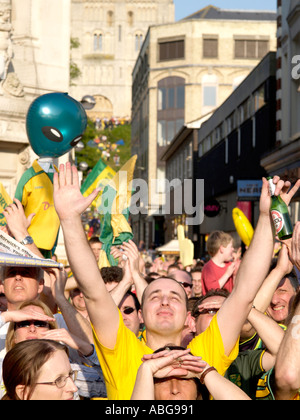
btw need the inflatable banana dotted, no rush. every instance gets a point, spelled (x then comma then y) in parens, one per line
(242, 225)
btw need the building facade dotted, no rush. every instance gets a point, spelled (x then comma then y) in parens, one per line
(184, 71)
(34, 59)
(227, 150)
(110, 35)
(284, 160)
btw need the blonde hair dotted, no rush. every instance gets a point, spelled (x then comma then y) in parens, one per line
(10, 339)
(217, 239)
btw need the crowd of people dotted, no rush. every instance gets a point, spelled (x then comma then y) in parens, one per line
(106, 123)
(226, 329)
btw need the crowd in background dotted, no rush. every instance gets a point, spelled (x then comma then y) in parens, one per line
(149, 328)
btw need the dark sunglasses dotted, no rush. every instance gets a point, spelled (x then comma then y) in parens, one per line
(128, 310)
(26, 324)
(211, 311)
(184, 284)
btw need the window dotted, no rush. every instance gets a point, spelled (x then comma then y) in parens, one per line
(259, 98)
(249, 48)
(209, 96)
(138, 41)
(130, 18)
(170, 108)
(171, 50)
(166, 130)
(210, 48)
(98, 41)
(210, 86)
(110, 17)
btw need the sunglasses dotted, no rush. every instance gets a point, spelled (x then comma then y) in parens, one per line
(185, 284)
(26, 324)
(128, 310)
(212, 311)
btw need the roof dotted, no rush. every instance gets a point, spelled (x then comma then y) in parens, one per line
(171, 247)
(212, 12)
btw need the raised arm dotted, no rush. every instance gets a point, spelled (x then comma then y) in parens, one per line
(76, 323)
(254, 267)
(287, 367)
(69, 204)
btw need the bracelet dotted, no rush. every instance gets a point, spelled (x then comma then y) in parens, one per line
(202, 377)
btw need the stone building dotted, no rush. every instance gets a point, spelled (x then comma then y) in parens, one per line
(110, 35)
(34, 59)
(184, 71)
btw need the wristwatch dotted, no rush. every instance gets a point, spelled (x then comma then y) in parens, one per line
(27, 241)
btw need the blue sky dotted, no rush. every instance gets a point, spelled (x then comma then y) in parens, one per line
(185, 8)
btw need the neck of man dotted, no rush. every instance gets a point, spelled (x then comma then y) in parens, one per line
(156, 341)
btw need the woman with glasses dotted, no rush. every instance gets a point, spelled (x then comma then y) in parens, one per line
(35, 321)
(38, 370)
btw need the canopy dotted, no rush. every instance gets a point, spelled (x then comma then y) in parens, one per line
(171, 248)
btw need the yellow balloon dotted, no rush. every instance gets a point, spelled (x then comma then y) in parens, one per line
(242, 225)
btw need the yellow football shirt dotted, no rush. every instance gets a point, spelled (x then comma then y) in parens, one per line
(120, 365)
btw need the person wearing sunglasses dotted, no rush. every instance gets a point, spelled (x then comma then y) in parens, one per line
(38, 370)
(130, 310)
(164, 303)
(185, 279)
(35, 321)
(206, 308)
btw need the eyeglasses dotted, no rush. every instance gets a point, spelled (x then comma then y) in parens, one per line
(211, 311)
(26, 324)
(62, 380)
(128, 310)
(185, 284)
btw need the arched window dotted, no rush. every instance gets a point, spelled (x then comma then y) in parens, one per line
(98, 41)
(130, 18)
(110, 17)
(138, 41)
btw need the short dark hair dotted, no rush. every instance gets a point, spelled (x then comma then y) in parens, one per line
(110, 274)
(136, 301)
(94, 240)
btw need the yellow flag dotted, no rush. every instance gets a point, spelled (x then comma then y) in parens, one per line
(5, 200)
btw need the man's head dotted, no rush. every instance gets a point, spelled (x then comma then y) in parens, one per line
(175, 388)
(77, 299)
(111, 276)
(283, 297)
(96, 246)
(130, 310)
(164, 308)
(20, 284)
(196, 274)
(211, 302)
(185, 279)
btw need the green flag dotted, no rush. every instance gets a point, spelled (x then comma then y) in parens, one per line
(96, 177)
(114, 212)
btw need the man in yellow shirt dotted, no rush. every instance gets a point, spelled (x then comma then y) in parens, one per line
(164, 308)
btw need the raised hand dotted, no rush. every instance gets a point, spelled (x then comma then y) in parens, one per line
(68, 200)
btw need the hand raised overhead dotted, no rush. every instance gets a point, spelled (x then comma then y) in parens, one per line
(68, 200)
